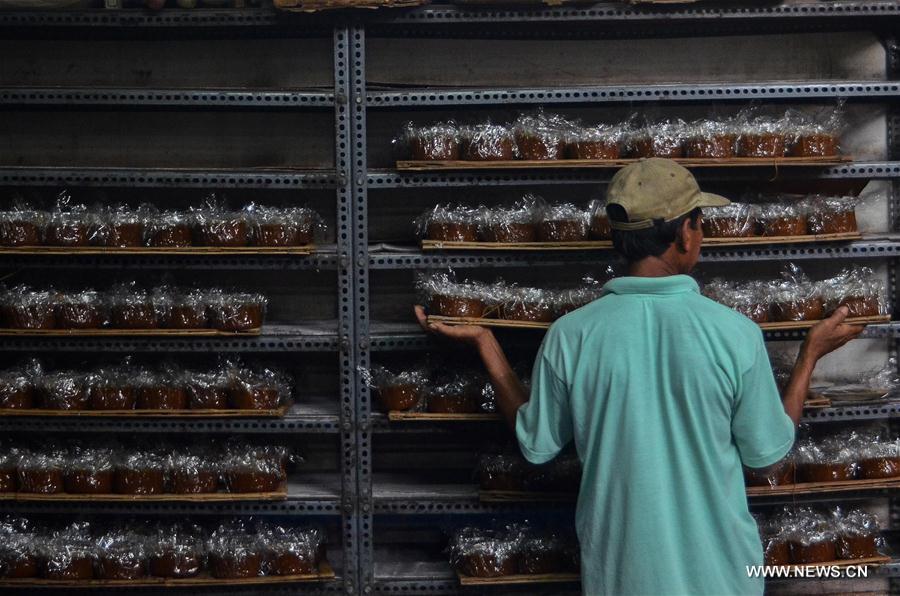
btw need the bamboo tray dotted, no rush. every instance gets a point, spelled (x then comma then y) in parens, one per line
(555, 164)
(128, 332)
(520, 496)
(607, 244)
(220, 497)
(398, 416)
(778, 326)
(868, 562)
(544, 578)
(811, 488)
(198, 413)
(324, 573)
(150, 250)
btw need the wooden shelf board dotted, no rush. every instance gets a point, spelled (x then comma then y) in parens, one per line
(219, 497)
(276, 413)
(398, 416)
(148, 250)
(128, 332)
(544, 578)
(436, 165)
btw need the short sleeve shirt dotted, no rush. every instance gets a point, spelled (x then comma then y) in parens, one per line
(665, 394)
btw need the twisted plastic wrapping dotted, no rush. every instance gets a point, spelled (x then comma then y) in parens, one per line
(488, 142)
(121, 554)
(63, 390)
(831, 215)
(69, 224)
(599, 221)
(659, 139)
(217, 225)
(90, 470)
(541, 136)
(120, 226)
(85, 309)
(599, 142)
(169, 229)
(761, 135)
(859, 289)
(236, 311)
(24, 308)
(254, 469)
(449, 222)
(132, 307)
(818, 134)
(235, 550)
(260, 388)
(737, 220)
(435, 142)
(563, 222)
(291, 226)
(22, 225)
(484, 553)
(396, 391)
(445, 296)
(292, 550)
(710, 139)
(17, 386)
(176, 550)
(512, 223)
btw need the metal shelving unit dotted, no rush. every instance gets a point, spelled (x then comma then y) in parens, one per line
(389, 496)
(327, 497)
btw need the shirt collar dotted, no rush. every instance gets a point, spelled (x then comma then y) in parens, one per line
(671, 284)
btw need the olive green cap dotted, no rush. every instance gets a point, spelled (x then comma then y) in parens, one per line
(656, 189)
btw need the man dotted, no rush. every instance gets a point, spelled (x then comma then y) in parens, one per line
(665, 394)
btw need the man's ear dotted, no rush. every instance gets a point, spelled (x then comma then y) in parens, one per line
(684, 238)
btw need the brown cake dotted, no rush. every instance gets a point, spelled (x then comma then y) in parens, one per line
(140, 481)
(731, 221)
(856, 546)
(862, 306)
(68, 567)
(538, 312)
(209, 392)
(489, 143)
(452, 231)
(290, 563)
(513, 232)
(134, 312)
(501, 473)
(784, 226)
(17, 564)
(121, 561)
(777, 551)
(235, 566)
(879, 467)
(19, 229)
(832, 222)
(124, 235)
(183, 311)
(254, 396)
(439, 142)
(228, 230)
(8, 477)
(600, 229)
(540, 146)
(162, 396)
(398, 397)
(489, 564)
(715, 146)
(83, 310)
(41, 480)
(824, 472)
(765, 144)
(170, 230)
(565, 230)
(813, 552)
(275, 234)
(252, 480)
(596, 150)
(23, 309)
(110, 396)
(453, 403)
(89, 480)
(16, 392)
(456, 306)
(783, 474)
(175, 563)
(63, 391)
(68, 230)
(807, 309)
(238, 312)
(541, 556)
(815, 145)
(194, 474)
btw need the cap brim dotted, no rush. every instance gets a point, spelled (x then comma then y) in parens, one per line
(707, 199)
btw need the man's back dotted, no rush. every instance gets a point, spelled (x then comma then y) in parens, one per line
(665, 393)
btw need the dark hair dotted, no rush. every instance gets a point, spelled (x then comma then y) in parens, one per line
(635, 245)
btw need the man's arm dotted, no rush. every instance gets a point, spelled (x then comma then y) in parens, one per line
(825, 337)
(508, 388)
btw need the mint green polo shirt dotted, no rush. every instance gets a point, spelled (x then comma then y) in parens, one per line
(665, 393)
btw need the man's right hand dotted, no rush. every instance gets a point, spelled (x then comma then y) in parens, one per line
(830, 334)
(473, 335)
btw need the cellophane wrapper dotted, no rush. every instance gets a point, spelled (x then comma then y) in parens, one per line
(435, 142)
(447, 215)
(540, 135)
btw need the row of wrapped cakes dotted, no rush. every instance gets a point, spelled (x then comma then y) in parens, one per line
(532, 219)
(76, 467)
(128, 386)
(540, 135)
(512, 549)
(130, 306)
(233, 548)
(796, 297)
(71, 224)
(804, 536)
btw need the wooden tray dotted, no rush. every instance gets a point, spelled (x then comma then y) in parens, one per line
(779, 326)
(150, 250)
(545, 578)
(870, 561)
(398, 416)
(805, 488)
(521, 164)
(607, 244)
(810, 488)
(276, 413)
(277, 495)
(128, 332)
(324, 573)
